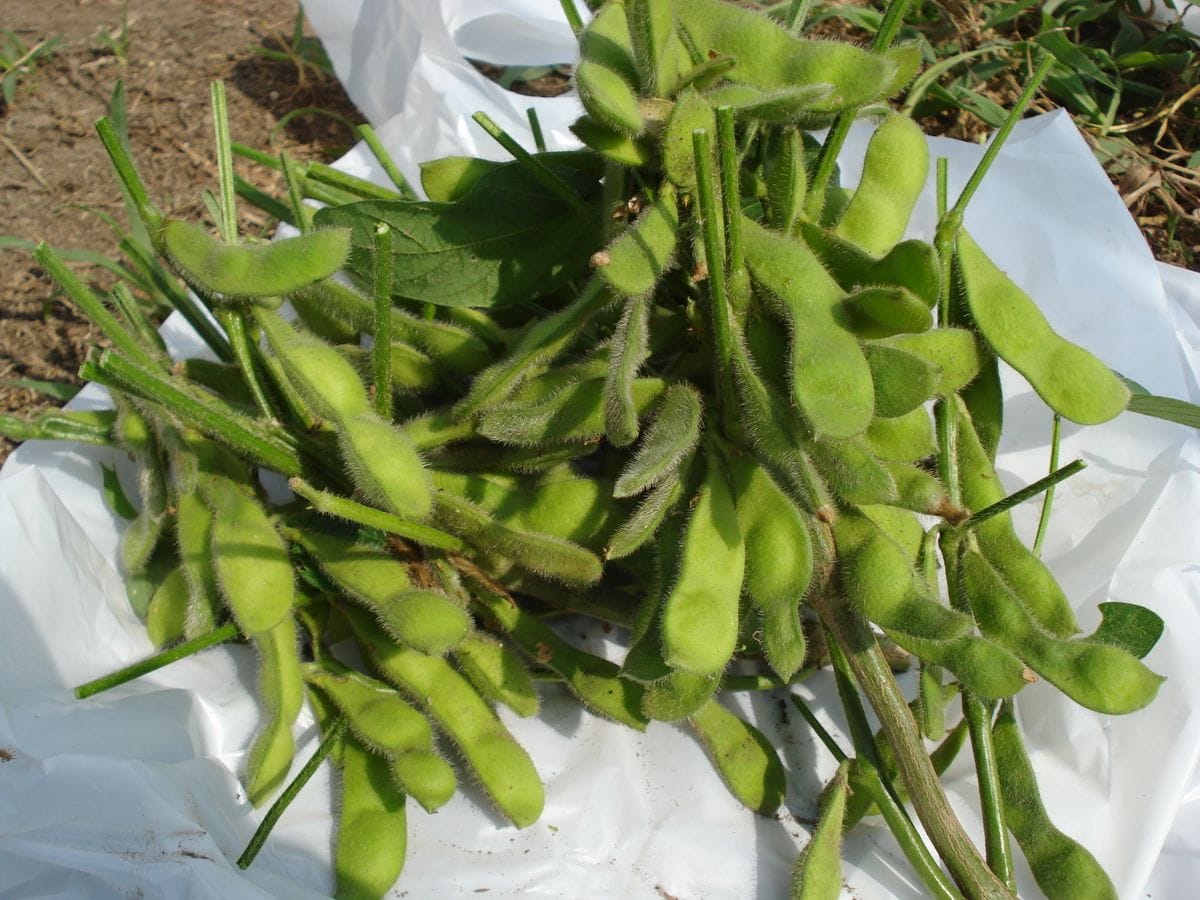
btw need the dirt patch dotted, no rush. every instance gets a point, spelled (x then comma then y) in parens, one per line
(54, 175)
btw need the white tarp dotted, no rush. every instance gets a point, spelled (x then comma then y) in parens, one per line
(135, 792)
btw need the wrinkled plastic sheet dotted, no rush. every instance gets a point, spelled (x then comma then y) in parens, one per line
(136, 793)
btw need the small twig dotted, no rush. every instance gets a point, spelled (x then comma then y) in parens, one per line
(25, 163)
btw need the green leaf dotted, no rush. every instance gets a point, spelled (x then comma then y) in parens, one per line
(1133, 628)
(60, 391)
(114, 495)
(509, 239)
(1179, 411)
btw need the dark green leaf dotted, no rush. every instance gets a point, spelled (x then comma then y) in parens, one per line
(59, 391)
(510, 239)
(1133, 628)
(1168, 408)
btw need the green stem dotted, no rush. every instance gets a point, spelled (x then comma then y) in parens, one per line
(381, 352)
(572, 16)
(234, 323)
(128, 175)
(301, 212)
(874, 676)
(136, 319)
(209, 415)
(93, 307)
(534, 167)
(158, 661)
(1019, 497)
(719, 311)
(535, 125)
(797, 15)
(351, 184)
(951, 222)
(328, 742)
(344, 508)
(367, 133)
(1048, 500)
(819, 730)
(227, 224)
(264, 201)
(730, 191)
(827, 159)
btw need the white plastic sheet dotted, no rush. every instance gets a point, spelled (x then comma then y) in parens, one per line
(135, 791)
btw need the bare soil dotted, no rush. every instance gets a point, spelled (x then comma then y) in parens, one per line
(55, 176)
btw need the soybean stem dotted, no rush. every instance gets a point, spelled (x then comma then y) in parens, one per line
(367, 133)
(548, 179)
(819, 730)
(874, 676)
(1019, 497)
(952, 220)
(535, 125)
(301, 212)
(158, 661)
(381, 352)
(128, 175)
(227, 224)
(730, 193)
(344, 508)
(1048, 500)
(572, 16)
(328, 742)
(827, 159)
(234, 323)
(797, 15)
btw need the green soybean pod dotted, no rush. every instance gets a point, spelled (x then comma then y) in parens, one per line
(608, 98)
(818, 871)
(700, 614)
(779, 561)
(1021, 568)
(671, 436)
(919, 491)
(745, 759)
(787, 180)
(881, 311)
(829, 377)
(325, 379)
(907, 438)
(236, 271)
(638, 257)
(606, 40)
(323, 322)
(1063, 868)
(1071, 381)
(378, 717)
(503, 768)
(877, 576)
(903, 381)
(628, 350)
(981, 666)
(691, 112)
(412, 370)
(425, 777)
(167, 612)
(612, 144)
(193, 531)
(651, 25)
(852, 472)
(222, 379)
(385, 467)
(269, 760)
(952, 351)
(676, 695)
(1101, 677)
(565, 505)
(497, 673)
(372, 828)
(644, 523)
(253, 569)
(792, 105)
(573, 413)
(280, 680)
(894, 172)
(450, 178)
(911, 264)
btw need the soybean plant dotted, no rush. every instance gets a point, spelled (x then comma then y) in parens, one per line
(680, 380)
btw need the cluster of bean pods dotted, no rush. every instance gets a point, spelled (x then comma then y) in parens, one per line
(732, 409)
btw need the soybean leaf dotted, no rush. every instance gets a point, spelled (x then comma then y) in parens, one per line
(60, 391)
(506, 240)
(1168, 408)
(1131, 627)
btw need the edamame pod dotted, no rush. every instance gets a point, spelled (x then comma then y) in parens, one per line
(779, 561)
(611, 144)
(852, 472)
(608, 97)
(953, 352)
(253, 569)
(503, 768)
(700, 614)
(378, 717)
(1064, 869)
(787, 180)
(573, 413)
(643, 524)
(691, 112)
(672, 434)
(497, 673)
(167, 612)
(745, 759)
(372, 826)
(1071, 380)
(606, 40)
(1101, 677)
(818, 871)
(238, 271)
(911, 264)
(903, 381)
(637, 258)
(676, 695)
(651, 27)
(384, 466)
(882, 311)
(628, 350)
(907, 438)
(894, 173)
